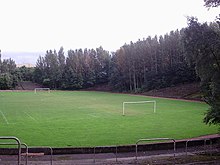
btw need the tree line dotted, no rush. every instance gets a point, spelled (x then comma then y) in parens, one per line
(202, 43)
(146, 64)
(80, 69)
(8, 78)
(152, 63)
(10, 75)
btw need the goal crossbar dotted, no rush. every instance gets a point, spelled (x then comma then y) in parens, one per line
(139, 102)
(35, 90)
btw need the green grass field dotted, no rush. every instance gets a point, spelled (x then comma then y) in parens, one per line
(80, 118)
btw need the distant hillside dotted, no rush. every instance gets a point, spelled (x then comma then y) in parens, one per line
(21, 58)
(181, 91)
(28, 65)
(189, 91)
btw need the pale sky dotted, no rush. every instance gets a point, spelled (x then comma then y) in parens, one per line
(40, 25)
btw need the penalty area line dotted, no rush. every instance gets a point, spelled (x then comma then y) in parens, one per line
(28, 108)
(30, 116)
(4, 117)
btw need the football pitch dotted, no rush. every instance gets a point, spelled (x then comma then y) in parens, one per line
(85, 118)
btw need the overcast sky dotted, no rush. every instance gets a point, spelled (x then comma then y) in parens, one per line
(39, 25)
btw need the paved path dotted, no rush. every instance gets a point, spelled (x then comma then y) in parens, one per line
(155, 157)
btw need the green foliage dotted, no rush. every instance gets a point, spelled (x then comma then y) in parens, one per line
(6, 81)
(8, 75)
(202, 42)
(80, 69)
(151, 63)
(46, 82)
(147, 64)
(24, 73)
(212, 3)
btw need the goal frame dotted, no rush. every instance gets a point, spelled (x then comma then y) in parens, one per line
(139, 102)
(35, 89)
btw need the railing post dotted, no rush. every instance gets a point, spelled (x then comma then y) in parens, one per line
(204, 147)
(94, 155)
(51, 151)
(18, 143)
(116, 153)
(155, 139)
(26, 153)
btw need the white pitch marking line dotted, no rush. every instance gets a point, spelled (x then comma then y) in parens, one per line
(4, 117)
(30, 116)
(28, 106)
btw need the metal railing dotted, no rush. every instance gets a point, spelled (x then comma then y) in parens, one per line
(193, 140)
(22, 144)
(18, 144)
(154, 139)
(45, 147)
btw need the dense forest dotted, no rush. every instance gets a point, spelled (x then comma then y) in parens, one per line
(150, 63)
(10, 75)
(80, 69)
(146, 64)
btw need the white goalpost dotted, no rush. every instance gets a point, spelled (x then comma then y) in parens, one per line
(42, 89)
(139, 102)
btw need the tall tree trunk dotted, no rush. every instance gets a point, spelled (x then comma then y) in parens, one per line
(156, 65)
(130, 81)
(134, 81)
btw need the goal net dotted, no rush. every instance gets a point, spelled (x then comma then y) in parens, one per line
(153, 102)
(42, 90)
